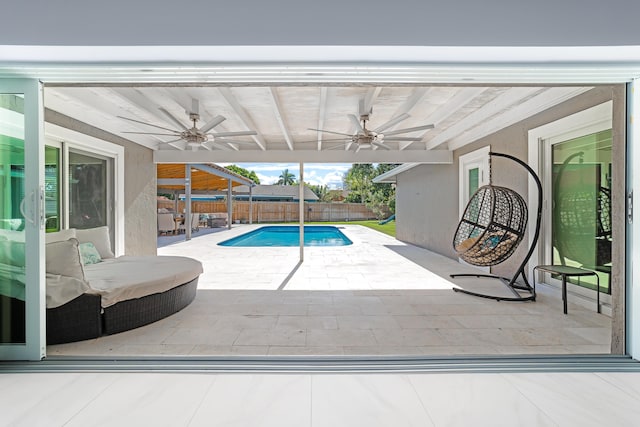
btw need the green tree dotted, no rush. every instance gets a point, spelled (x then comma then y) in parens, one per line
(286, 178)
(380, 198)
(244, 172)
(321, 191)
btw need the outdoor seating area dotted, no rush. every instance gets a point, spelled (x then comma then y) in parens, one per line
(378, 296)
(171, 223)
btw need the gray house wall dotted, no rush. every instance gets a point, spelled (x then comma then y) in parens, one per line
(427, 196)
(140, 218)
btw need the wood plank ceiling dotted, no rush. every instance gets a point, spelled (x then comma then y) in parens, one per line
(281, 116)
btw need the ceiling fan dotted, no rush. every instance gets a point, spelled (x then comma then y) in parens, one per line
(193, 136)
(370, 138)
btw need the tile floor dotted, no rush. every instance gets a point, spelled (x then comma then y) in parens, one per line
(376, 297)
(371, 400)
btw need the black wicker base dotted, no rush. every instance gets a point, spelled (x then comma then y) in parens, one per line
(83, 318)
(132, 314)
(77, 320)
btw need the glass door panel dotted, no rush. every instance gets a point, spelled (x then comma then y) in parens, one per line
(581, 206)
(12, 227)
(22, 265)
(88, 191)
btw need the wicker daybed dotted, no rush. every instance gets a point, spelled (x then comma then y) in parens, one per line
(113, 295)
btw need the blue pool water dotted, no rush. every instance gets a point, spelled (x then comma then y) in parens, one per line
(290, 236)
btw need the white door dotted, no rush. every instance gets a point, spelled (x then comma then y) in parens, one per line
(473, 174)
(22, 220)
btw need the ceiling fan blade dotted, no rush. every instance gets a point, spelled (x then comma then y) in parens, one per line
(356, 122)
(391, 122)
(212, 123)
(240, 133)
(396, 132)
(172, 118)
(172, 141)
(148, 124)
(358, 148)
(152, 133)
(381, 145)
(401, 138)
(345, 140)
(330, 131)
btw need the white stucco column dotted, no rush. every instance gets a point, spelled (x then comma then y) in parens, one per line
(301, 206)
(187, 202)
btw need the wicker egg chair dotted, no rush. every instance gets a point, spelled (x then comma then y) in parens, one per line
(490, 230)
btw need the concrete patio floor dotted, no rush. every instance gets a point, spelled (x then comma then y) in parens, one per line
(378, 296)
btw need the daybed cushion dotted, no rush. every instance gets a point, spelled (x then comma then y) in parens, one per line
(99, 236)
(130, 277)
(59, 236)
(65, 274)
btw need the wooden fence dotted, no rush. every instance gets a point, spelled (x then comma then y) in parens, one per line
(279, 211)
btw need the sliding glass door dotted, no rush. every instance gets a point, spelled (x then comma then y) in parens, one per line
(22, 296)
(581, 210)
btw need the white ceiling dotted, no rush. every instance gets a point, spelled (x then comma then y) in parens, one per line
(282, 116)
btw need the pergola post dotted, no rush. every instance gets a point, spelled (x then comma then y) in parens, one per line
(229, 205)
(187, 202)
(301, 206)
(251, 204)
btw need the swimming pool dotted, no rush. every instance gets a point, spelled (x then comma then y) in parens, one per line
(290, 236)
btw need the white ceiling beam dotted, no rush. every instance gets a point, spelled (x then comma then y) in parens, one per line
(547, 99)
(457, 101)
(306, 156)
(243, 116)
(277, 108)
(369, 99)
(322, 113)
(87, 100)
(407, 106)
(497, 105)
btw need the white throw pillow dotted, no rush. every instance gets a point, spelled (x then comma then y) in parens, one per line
(59, 236)
(99, 236)
(64, 258)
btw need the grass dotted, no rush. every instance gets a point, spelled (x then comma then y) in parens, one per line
(388, 228)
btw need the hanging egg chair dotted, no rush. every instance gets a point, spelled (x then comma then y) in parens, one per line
(491, 228)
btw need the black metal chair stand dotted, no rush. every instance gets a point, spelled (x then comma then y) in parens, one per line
(492, 226)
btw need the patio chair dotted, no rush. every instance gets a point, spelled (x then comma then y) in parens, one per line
(195, 223)
(166, 224)
(490, 230)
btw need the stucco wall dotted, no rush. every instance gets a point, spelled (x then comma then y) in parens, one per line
(427, 195)
(140, 226)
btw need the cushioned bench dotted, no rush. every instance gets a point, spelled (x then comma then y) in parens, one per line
(91, 293)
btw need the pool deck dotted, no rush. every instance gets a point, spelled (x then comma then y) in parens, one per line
(378, 296)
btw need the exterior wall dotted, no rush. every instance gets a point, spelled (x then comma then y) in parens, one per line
(427, 196)
(139, 188)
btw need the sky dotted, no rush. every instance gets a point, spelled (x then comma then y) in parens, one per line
(329, 174)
